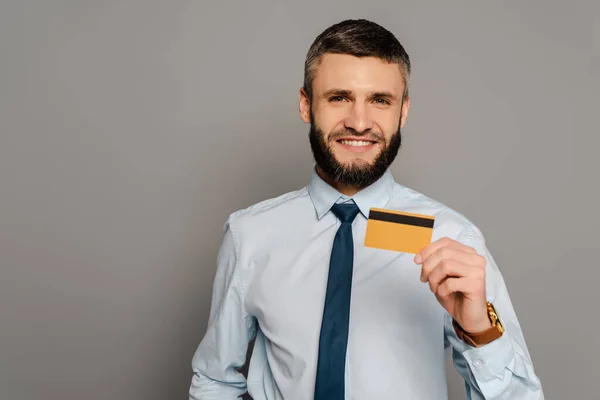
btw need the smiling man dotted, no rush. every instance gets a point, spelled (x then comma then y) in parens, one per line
(334, 319)
(361, 103)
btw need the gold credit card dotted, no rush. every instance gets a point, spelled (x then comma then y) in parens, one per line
(398, 231)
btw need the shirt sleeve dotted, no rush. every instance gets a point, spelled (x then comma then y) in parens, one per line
(501, 369)
(224, 346)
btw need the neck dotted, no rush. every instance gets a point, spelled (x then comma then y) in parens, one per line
(340, 187)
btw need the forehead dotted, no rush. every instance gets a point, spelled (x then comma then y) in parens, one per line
(358, 74)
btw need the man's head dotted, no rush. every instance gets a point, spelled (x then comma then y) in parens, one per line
(355, 97)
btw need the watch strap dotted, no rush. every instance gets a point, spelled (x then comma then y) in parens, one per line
(484, 337)
(477, 339)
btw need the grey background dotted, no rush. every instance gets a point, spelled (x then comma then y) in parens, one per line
(131, 129)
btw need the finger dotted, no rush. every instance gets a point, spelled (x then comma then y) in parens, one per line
(439, 244)
(449, 252)
(432, 248)
(453, 285)
(451, 269)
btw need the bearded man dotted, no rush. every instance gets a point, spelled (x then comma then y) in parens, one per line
(333, 318)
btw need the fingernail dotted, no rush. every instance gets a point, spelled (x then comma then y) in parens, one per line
(418, 259)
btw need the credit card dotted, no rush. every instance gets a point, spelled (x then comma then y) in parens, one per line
(398, 231)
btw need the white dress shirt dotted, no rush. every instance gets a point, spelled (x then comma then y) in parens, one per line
(271, 281)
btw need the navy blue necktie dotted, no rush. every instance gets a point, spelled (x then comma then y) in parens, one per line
(333, 339)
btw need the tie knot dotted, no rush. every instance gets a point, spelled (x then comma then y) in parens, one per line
(345, 212)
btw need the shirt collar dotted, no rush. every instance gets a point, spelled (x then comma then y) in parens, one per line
(325, 196)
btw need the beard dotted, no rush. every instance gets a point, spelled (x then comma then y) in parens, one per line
(357, 173)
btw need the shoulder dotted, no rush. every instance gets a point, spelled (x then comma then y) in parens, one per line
(265, 214)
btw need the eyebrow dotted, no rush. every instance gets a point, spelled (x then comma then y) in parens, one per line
(372, 95)
(338, 92)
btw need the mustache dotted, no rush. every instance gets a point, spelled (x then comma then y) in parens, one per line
(371, 136)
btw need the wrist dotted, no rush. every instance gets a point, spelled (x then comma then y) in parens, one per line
(477, 319)
(481, 334)
(477, 327)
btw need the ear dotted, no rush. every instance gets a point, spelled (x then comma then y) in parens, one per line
(304, 106)
(404, 111)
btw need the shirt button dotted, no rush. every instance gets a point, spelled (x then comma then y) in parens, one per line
(477, 363)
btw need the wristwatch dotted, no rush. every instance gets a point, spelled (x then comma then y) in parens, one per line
(478, 339)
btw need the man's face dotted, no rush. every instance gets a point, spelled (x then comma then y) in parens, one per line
(355, 113)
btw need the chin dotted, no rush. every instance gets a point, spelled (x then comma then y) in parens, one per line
(356, 161)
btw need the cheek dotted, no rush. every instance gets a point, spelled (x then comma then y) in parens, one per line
(388, 124)
(330, 121)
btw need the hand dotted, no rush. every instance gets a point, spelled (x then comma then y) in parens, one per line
(456, 275)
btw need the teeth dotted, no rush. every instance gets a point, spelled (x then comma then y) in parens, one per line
(355, 143)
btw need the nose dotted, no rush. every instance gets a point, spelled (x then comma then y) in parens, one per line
(359, 119)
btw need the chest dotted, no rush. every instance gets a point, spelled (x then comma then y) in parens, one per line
(287, 290)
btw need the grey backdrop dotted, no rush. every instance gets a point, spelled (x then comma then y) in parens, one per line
(131, 129)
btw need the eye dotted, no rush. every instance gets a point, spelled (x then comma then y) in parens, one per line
(337, 98)
(381, 101)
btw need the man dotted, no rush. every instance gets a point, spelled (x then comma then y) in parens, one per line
(334, 319)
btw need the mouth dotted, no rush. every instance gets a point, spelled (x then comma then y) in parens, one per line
(356, 145)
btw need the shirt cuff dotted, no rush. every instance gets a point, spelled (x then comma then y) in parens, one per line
(489, 361)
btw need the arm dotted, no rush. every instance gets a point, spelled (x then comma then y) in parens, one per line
(503, 368)
(223, 349)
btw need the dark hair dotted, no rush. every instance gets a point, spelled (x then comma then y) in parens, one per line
(360, 38)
